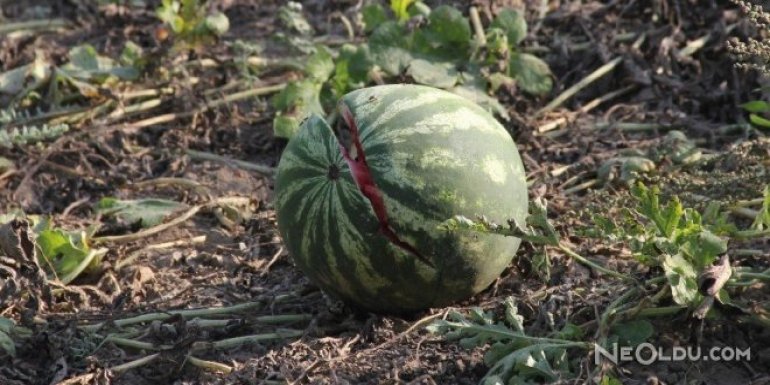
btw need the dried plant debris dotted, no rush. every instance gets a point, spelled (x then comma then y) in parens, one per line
(22, 274)
(142, 138)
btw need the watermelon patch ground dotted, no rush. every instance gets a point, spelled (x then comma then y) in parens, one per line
(680, 78)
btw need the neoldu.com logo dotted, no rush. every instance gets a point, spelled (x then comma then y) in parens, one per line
(647, 353)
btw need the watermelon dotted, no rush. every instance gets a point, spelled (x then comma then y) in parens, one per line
(361, 219)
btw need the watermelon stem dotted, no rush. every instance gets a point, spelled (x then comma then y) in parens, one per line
(365, 182)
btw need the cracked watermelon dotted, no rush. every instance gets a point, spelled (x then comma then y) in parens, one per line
(360, 217)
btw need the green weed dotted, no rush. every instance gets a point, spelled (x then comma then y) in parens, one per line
(434, 47)
(677, 246)
(192, 26)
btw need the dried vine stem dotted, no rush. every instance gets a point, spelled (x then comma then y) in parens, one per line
(205, 312)
(266, 170)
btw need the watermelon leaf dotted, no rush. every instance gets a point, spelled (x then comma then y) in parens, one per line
(532, 74)
(435, 50)
(480, 97)
(682, 278)
(68, 253)
(448, 27)
(399, 8)
(759, 121)
(439, 75)
(292, 18)
(756, 106)
(539, 230)
(513, 357)
(147, 212)
(513, 24)
(391, 48)
(320, 65)
(297, 101)
(609, 380)
(6, 342)
(633, 333)
(373, 15)
(86, 64)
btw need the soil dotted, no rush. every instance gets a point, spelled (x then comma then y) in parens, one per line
(697, 94)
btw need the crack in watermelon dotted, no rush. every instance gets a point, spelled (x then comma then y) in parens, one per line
(365, 182)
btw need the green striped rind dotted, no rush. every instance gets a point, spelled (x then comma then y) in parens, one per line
(433, 155)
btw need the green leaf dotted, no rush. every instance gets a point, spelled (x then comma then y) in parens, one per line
(389, 45)
(191, 11)
(609, 380)
(477, 329)
(756, 106)
(373, 15)
(512, 22)
(84, 57)
(723, 297)
(527, 365)
(418, 8)
(534, 365)
(489, 103)
(217, 23)
(512, 316)
(531, 73)
(399, 8)
(285, 126)
(539, 232)
(759, 121)
(571, 331)
(86, 64)
(295, 103)
(666, 219)
(703, 248)
(292, 18)
(7, 344)
(6, 325)
(341, 80)
(297, 95)
(449, 27)
(633, 333)
(497, 80)
(147, 212)
(132, 55)
(670, 217)
(351, 68)
(606, 227)
(679, 148)
(439, 75)
(682, 279)
(168, 13)
(60, 247)
(320, 65)
(68, 253)
(514, 357)
(497, 50)
(717, 219)
(633, 166)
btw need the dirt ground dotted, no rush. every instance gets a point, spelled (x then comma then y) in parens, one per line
(661, 86)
